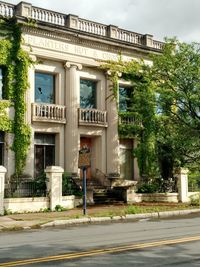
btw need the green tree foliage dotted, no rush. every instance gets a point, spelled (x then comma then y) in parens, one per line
(166, 103)
(175, 77)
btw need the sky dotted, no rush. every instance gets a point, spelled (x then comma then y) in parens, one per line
(161, 18)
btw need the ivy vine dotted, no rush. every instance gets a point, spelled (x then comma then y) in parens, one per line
(16, 63)
(142, 109)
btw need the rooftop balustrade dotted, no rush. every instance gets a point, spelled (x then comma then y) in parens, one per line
(37, 14)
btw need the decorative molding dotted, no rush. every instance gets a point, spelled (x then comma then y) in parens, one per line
(69, 64)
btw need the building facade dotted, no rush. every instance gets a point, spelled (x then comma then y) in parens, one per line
(68, 103)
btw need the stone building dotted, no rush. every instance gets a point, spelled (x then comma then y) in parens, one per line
(67, 101)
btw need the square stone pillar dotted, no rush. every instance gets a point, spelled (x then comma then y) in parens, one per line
(24, 9)
(2, 185)
(54, 185)
(183, 185)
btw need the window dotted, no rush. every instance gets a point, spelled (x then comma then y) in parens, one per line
(125, 94)
(88, 94)
(44, 152)
(1, 148)
(44, 88)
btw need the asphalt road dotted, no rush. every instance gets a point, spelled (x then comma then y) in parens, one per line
(145, 243)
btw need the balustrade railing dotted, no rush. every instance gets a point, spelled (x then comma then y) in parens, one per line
(48, 16)
(48, 112)
(158, 45)
(128, 118)
(6, 10)
(39, 14)
(130, 37)
(93, 117)
(92, 27)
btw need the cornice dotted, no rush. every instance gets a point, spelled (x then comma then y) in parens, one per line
(87, 41)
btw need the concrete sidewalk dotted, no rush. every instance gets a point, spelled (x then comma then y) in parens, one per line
(75, 216)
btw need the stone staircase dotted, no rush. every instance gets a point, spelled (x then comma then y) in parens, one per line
(107, 196)
(101, 194)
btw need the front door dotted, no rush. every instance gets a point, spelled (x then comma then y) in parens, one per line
(86, 142)
(126, 159)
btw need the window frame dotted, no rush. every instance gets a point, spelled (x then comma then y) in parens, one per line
(95, 82)
(53, 75)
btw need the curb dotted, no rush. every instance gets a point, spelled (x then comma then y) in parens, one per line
(158, 215)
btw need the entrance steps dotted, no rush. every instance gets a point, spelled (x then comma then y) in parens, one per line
(101, 194)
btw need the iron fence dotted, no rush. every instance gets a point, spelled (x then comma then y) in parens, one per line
(25, 189)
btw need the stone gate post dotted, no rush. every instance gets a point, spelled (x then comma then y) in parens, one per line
(54, 185)
(2, 186)
(183, 185)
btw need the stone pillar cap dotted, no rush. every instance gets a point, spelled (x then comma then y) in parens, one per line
(2, 169)
(56, 169)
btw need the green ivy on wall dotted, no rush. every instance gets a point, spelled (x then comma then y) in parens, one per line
(16, 62)
(142, 110)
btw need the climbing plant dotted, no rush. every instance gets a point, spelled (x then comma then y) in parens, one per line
(142, 109)
(16, 62)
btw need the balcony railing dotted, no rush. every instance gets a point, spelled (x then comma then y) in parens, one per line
(24, 9)
(129, 118)
(48, 112)
(92, 117)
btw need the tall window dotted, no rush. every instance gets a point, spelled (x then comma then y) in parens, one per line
(44, 88)
(88, 94)
(44, 152)
(1, 148)
(125, 98)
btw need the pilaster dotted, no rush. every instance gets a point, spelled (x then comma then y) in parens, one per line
(113, 164)
(71, 130)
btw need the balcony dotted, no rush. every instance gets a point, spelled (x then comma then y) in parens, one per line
(92, 117)
(42, 112)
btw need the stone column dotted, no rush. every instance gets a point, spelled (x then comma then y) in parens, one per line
(71, 130)
(183, 185)
(113, 164)
(54, 185)
(2, 185)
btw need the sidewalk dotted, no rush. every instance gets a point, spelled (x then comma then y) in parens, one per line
(95, 214)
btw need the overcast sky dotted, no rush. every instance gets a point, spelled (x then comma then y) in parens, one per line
(161, 18)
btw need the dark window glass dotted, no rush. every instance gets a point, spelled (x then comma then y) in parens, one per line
(125, 98)
(87, 94)
(1, 148)
(44, 88)
(44, 152)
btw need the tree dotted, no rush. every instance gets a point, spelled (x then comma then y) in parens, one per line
(175, 76)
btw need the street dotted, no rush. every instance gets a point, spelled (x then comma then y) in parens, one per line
(144, 243)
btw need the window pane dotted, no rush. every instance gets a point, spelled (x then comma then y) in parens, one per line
(39, 160)
(49, 156)
(48, 139)
(124, 98)
(44, 152)
(87, 94)
(44, 88)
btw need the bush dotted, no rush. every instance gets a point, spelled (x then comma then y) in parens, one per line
(148, 188)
